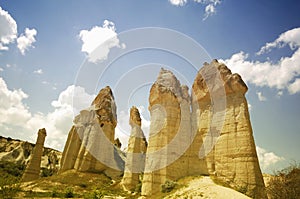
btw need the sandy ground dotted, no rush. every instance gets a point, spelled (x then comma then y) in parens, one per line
(204, 187)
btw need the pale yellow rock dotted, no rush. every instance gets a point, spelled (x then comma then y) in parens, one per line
(90, 144)
(169, 129)
(233, 158)
(136, 151)
(32, 171)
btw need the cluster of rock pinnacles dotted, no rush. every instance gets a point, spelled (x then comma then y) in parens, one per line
(180, 125)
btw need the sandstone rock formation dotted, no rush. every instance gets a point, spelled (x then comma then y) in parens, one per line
(169, 133)
(90, 143)
(136, 152)
(33, 168)
(233, 158)
(214, 138)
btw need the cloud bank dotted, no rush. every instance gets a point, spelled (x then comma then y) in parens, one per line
(284, 74)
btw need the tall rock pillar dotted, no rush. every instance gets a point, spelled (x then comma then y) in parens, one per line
(165, 153)
(32, 171)
(136, 152)
(233, 158)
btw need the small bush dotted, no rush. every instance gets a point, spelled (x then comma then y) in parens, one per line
(9, 187)
(47, 172)
(69, 193)
(54, 193)
(242, 189)
(83, 185)
(138, 188)
(285, 183)
(96, 194)
(168, 186)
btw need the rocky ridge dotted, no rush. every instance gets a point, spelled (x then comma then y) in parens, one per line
(19, 152)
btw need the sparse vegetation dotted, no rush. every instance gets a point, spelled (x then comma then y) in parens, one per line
(285, 183)
(9, 186)
(138, 187)
(96, 194)
(47, 172)
(12, 169)
(242, 189)
(168, 186)
(69, 193)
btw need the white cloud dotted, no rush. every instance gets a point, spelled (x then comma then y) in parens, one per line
(8, 30)
(38, 71)
(261, 97)
(274, 75)
(98, 41)
(75, 97)
(178, 2)
(57, 122)
(294, 87)
(1, 69)
(267, 159)
(26, 40)
(12, 109)
(249, 107)
(210, 5)
(290, 37)
(283, 74)
(279, 93)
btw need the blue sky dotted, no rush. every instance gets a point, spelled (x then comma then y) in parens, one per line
(45, 46)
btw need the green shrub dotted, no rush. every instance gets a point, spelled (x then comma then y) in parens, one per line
(12, 168)
(83, 185)
(54, 193)
(138, 188)
(69, 193)
(9, 187)
(168, 186)
(242, 189)
(47, 172)
(96, 194)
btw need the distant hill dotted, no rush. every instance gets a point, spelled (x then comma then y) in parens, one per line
(15, 155)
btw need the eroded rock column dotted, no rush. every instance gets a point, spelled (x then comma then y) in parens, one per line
(90, 144)
(136, 152)
(167, 135)
(233, 158)
(32, 171)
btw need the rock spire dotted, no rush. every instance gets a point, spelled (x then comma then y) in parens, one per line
(32, 171)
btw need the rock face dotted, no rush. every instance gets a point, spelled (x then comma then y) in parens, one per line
(90, 143)
(233, 158)
(169, 129)
(20, 152)
(33, 168)
(215, 138)
(136, 152)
